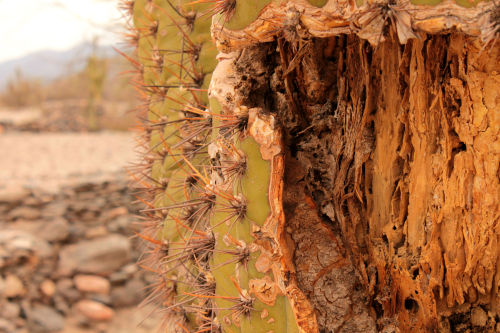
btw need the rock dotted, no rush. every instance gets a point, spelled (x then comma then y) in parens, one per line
(13, 287)
(16, 244)
(33, 289)
(113, 187)
(130, 294)
(118, 277)
(120, 224)
(42, 318)
(92, 284)
(114, 213)
(34, 227)
(9, 310)
(478, 317)
(4, 208)
(2, 285)
(101, 298)
(61, 305)
(77, 206)
(123, 274)
(98, 203)
(24, 212)
(130, 269)
(6, 326)
(77, 231)
(55, 230)
(95, 232)
(84, 187)
(66, 288)
(32, 201)
(89, 216)
(48, 288)
(42, 196)
(94, 311)
(121, 298)
(47, 267)
(13, 194)
(54, 209)
(102, 327)
(99, 256)
(20, 324)
(23, 225)
(90, 197)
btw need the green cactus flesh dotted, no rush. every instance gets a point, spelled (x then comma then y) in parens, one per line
(244, 13)
(318, 3)
(239, 310)
(463, 3)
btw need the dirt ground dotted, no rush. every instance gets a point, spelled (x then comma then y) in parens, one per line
(48, 160)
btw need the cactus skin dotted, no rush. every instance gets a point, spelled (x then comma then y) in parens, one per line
(268, 312)
(318, 3)
(253, 187)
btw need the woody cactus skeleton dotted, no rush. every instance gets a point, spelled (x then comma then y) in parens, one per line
(277, 201)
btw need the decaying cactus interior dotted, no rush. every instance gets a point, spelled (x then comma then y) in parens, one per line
(341, 174)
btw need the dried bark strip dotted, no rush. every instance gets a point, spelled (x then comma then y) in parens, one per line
(367, 21)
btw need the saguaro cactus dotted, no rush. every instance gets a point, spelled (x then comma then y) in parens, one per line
(341, 173)
(207, 183)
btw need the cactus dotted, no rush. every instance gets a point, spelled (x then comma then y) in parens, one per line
(96, 75)
(202, 207)
(292, 119)
(175, 57)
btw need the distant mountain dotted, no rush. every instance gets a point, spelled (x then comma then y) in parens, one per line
(48, 65)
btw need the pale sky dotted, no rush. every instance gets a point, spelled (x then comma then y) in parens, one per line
(28, 26)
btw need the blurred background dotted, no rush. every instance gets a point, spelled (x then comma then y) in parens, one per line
(67, 212)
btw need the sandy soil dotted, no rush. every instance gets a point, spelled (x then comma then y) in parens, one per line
(50, 159)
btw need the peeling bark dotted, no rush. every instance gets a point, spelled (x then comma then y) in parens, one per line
(367, 21)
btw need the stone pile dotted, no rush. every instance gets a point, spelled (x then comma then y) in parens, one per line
(68, 254)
